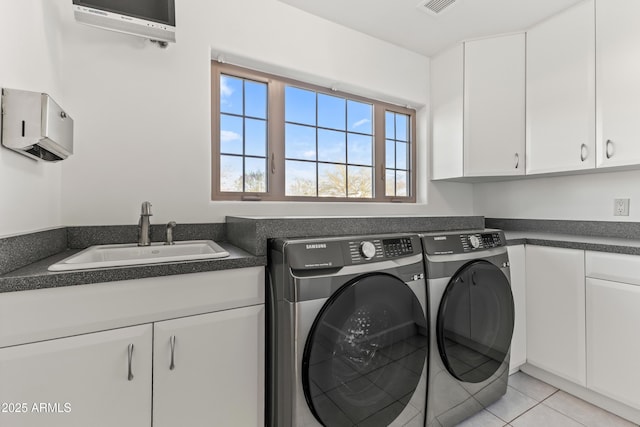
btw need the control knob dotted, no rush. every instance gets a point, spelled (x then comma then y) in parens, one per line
(474, 241)
(367, 249)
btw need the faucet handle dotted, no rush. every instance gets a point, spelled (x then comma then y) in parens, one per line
(146, 209)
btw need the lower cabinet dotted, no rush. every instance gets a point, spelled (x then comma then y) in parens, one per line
(613, 316)
(101, 379)
(518, 289)
(556, 311)
(209, 369)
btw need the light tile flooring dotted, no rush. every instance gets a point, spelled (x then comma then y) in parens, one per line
(533, 403)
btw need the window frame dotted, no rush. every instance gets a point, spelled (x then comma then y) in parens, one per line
(275, 150)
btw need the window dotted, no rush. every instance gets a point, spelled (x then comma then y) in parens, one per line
(279, 139)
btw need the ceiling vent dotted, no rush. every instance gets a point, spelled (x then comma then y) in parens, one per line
(435, 7)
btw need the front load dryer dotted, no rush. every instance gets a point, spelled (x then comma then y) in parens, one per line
(472, 318)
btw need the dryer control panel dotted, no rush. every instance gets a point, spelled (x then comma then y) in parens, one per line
(460, 243)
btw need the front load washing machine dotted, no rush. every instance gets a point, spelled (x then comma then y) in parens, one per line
(348, 332)
(472, 317)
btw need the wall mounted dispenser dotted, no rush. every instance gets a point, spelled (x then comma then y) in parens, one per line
(34, 125)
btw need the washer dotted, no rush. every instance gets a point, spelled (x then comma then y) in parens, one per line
(348, 333)
(472, 317)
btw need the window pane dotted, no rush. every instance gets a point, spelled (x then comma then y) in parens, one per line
(300, 106)
(331, 146)
(360, 149)
(401, 184)
(300, 142)
(332, 180)
(389, 125)
(255, 142)
(230, 173)
(360, 116)
(231, 135)
(401, 155)
(360, 182)
(402, 127)
(230, 95)
(300, 178)
(255, 178)
(331, 112)
(390, 183)
(255, 99)
(390, 154)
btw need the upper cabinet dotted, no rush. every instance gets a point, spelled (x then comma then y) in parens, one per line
(617, 82)
(561, 92)
(494, 102)
(478, 101)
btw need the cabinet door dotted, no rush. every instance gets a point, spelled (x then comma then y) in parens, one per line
(518, 280)
(494, 102)
(561, 92)
(556, 311)
(209, 369)
(617, 84)
(613, 316)
(447, 82)
(79, 381)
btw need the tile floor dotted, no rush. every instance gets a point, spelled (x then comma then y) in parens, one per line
(533, 403)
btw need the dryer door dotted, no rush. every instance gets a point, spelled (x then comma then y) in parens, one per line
(475, 322)
(365, 353)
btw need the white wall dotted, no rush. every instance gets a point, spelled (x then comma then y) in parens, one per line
(30, 60)
(576, 197)
(142, 113)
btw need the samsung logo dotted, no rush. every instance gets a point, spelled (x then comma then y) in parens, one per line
(316, 246)
(440, 238)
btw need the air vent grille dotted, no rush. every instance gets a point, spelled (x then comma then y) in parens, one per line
(435, 7)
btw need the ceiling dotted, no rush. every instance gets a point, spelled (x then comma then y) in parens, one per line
(402, 23)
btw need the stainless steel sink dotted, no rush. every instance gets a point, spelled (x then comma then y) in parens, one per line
(131, 254)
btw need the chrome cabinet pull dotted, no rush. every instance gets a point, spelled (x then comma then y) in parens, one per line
(584, 153)
(130, 352)
(172, 342)
(609, 149)
(517, 160)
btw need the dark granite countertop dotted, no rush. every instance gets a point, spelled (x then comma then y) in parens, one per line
(571, 241)
(36, 275)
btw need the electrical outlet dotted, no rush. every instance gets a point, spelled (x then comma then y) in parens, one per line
(621, 207)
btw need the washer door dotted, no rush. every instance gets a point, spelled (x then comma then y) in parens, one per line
(475, 322)
(365, 353)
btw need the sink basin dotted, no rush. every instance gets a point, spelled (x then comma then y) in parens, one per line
(131, 254)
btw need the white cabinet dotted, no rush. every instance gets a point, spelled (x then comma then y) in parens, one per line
(561, 92)
(98, 379)
(210, 368)
(518, 288)
(555, 301)
(613, 316)
(494, 103)
(617, 83)
(478, 102)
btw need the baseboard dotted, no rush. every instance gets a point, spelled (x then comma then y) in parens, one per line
(606, 403)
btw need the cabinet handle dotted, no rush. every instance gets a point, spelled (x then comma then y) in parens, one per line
(517, 160)
(130, 353)
(584, 153)
(609, 149)
(172, 342)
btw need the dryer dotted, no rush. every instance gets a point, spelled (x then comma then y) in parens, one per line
(472, 319)
(348, 332)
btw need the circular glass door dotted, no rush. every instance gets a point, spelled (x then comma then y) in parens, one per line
(365, 353)
(475, 322)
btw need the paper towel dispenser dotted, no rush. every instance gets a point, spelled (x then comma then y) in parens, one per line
(34, 125)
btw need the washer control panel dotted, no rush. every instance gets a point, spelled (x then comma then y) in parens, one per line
(471, 242)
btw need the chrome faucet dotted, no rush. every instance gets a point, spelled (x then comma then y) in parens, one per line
(170, 226)
(144, 227)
